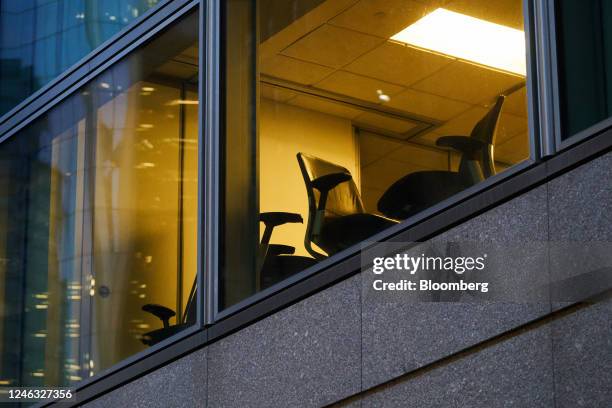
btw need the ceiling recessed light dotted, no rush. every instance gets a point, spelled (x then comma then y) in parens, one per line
(147, 89)
(468, 38)
(382, 96)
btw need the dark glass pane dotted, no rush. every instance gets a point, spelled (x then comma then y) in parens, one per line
(98, 218)
(343, 118)
(585, 63)
(41, 39)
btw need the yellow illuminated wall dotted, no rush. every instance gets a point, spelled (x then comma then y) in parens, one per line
(285, 131)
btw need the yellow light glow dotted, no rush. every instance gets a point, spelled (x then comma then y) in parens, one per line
(468, 38)
(182, 102)
(145, 165)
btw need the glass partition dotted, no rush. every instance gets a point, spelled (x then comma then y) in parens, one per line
(98, 218)
(346, 117)
(41, 39)
(585, 63)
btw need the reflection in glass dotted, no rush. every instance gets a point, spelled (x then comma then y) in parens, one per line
(98, 215)
(41, 39)
(367, 113)
(585, 63)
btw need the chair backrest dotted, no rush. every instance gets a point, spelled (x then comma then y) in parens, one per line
(341, 198)
(485, 131)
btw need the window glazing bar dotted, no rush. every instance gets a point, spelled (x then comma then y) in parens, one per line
(546, 79)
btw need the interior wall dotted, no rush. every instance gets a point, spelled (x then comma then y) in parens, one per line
(284, 132)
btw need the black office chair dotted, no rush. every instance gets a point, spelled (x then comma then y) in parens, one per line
(278, 262)
(336, 216)
(420, 190)
(164, 314)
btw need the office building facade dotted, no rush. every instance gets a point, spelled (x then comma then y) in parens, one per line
(188, 189)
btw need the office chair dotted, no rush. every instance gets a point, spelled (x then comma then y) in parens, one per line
(278, 261)
(420, 190)
(336, 216)
(164, 314)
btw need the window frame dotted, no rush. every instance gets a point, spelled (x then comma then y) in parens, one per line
(561, 144)
(535, 64)
(120, 46)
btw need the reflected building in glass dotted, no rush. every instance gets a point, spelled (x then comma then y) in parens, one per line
(98, 218)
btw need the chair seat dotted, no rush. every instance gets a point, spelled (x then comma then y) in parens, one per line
(279, 268)
(342, 232)
(418, 191)
(153, 337)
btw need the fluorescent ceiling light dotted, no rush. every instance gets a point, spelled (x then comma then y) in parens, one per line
(468, 38)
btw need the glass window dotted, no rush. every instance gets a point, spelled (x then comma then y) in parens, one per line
(585, 63)
(98, 216)
(41, 39)
(345, 117)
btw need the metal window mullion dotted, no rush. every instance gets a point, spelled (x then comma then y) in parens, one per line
(546, 77)
(210, 17)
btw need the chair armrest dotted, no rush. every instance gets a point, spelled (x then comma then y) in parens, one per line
(329, 181)
(274, 219)
(464, 144)
(162, 312)
(278, 249)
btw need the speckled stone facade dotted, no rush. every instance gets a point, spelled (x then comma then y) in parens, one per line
(335, 348)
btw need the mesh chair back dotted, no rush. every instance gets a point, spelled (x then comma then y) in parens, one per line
(342, 200)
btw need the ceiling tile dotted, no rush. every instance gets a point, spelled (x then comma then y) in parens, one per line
(275, 93)
(423, 157)
(357, 86)
(468, 82)
(384, 122)
(514, 150)
(463, 124)
(516, 103)
(509, 126)
(331, 46)
(398, 63)
(382, 18)
(373, 147)
(505, 12)
(428, 138)
(428, 105)
(325, 106)
(294, 70)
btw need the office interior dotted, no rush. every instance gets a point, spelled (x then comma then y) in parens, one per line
(372, 87)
